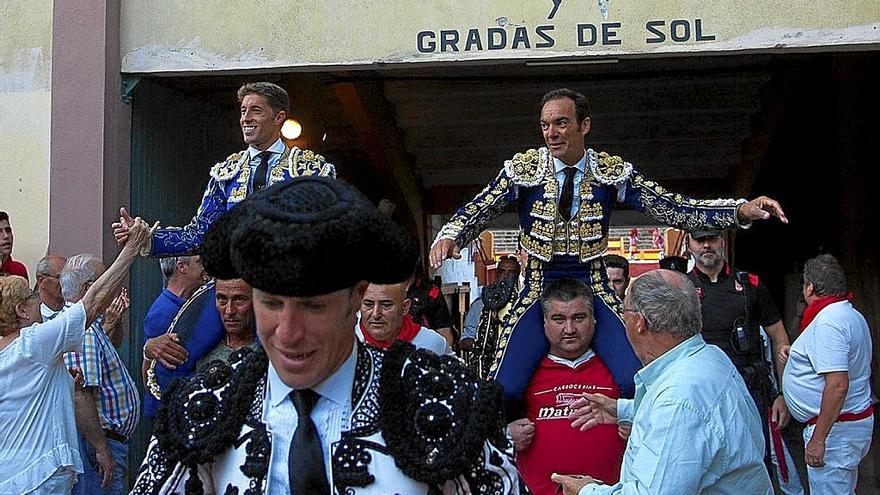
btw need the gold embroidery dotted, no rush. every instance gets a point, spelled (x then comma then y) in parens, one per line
(525, 168)
(227, 169)
(609, 169)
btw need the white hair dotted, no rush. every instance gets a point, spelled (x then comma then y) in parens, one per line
(78, 270)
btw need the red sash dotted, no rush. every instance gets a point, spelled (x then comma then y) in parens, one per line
(408, 331)
(818, 305)
(848, 416)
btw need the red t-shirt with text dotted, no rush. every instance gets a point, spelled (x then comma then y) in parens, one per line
(557, 447)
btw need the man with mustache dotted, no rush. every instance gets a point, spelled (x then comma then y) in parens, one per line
(734, 305)
(234, 301)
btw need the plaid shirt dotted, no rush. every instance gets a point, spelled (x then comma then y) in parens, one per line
(118, 403)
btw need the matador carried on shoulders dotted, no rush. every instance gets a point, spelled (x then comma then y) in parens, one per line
(566, 194)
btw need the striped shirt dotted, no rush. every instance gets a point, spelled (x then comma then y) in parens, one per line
(118, 402)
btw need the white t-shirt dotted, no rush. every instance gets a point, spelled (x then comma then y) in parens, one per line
(838, 339)
(36, 403)
(425, 339)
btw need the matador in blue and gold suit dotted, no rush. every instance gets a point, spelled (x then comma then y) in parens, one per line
(231, 181)
(571, 249)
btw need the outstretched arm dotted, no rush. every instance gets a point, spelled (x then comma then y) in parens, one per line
(687, 213)
(467, 223)
(102, 292)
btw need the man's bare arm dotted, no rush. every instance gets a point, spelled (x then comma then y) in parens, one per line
(89, 427)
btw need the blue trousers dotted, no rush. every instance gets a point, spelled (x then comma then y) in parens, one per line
(522, 343)
(89, 482)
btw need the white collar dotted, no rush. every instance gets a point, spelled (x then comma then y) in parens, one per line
(277, 147)
(337, 387)
(580, 165)
(583, 358)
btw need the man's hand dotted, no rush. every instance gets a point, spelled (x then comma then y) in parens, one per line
(782, 356)
(761, 208)
(122, 227)
(445, 248)
(592, 410)
(779, 414)
(117, 309)
(571, 484)
(466, 344)
(814, 453)
(167, 350)
(522, 431)
(624, 430)
(78, 378)
(105, 466)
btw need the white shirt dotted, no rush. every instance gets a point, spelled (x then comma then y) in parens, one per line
(331, 416)
(559, 173)
(838, 339)
(48, 313)
(425, 339)
(36, 403)
(583, 358)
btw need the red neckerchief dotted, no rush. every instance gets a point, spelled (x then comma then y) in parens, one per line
(818, 305)
(408, 331)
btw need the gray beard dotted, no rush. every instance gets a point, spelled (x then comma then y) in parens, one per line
(711, 265)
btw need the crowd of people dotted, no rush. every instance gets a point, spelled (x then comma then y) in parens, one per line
(275, 362)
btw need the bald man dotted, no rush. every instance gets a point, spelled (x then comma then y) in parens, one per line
(48, 270)
(385, 319)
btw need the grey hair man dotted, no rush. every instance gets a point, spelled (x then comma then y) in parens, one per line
(106, 406)
(49, 285)
(827, 380)
(182, 275)
(710, 411)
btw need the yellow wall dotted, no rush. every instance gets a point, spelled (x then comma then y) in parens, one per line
(25, 80)
(170, 35)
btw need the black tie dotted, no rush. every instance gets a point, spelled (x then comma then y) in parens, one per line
(262, 170)
(305, 461)
(567, 196)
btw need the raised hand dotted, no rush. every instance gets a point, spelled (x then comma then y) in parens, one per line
(114, 313)
(761, 208)
(122, 227)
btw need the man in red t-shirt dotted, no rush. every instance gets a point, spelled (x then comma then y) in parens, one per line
(8, 266)
(544, 440)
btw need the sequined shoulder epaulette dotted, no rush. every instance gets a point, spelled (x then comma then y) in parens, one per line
(301, 163)
(608, 169)
(529, 168)
(227, 169)
(203, 414)
(435, 413)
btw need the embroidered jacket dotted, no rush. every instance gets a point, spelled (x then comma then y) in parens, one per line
(419, 422)
(529, 177)
(230, 183)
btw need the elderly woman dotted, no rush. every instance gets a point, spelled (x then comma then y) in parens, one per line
(38, 447)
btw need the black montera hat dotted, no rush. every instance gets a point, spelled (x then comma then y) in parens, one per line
(308, 236)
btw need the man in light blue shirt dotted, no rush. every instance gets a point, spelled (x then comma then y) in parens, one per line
(695, 428)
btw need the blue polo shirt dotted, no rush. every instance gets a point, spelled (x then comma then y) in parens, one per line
(156, 323)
